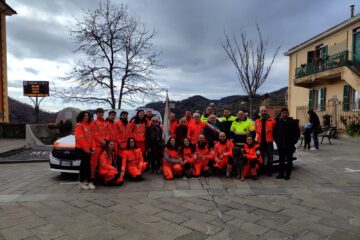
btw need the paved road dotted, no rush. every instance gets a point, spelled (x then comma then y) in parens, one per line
(321, 201)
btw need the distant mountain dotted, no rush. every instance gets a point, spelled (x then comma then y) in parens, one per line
(24, 113)
(234, 103)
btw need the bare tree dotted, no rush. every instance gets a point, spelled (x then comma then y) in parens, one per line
(249, 62)
(117, 58)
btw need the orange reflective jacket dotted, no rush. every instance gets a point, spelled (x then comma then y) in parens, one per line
(253, 152)
(188, 155)
(111, 131)
(173, 126)
(132, 158)
(269, 126)
(106, 167)
(194, 131)
(223, 149)
(138, 131)
(172, 154)
(203, 155)
(83, 136)
(99, 129)
(123, 133)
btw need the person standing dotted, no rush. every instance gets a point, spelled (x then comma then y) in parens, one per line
(316, 128)
(154, 144)
(188, 117)
(181, 132)
(173, 124)
(83, 146)
(138, 128)
(241, 127)
(286, 135)
(195, 129)
(149, 115)
(99, 131)
(205, 116)
(111, 129)
(264, 127)
(123, 132)
(212, 129)
(226, 120)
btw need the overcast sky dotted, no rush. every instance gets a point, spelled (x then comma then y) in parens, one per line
(189, 36)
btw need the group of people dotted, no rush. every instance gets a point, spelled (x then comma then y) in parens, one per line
(198, 145)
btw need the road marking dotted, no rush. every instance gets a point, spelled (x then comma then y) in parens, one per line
(351, 170)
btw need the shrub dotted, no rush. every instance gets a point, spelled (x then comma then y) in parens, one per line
(352, 124)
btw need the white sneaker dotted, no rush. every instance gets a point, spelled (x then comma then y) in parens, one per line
(91, 186)
(313, 149)
(83, 186)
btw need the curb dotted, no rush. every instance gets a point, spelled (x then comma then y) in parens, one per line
(23, 161)
(12, 152)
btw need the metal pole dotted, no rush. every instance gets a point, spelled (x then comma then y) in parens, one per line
(36, 110)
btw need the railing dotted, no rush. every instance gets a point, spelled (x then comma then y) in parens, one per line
(335, 111)
(334, 61)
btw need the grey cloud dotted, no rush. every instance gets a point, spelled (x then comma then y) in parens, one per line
(32, 70)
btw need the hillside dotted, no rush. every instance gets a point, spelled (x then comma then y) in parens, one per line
(24, 113)
(234, 103)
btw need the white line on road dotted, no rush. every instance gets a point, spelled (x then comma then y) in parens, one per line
(351, 170)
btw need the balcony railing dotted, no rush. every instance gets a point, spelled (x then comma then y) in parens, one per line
(334, 61)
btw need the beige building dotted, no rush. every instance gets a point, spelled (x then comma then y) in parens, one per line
(324, 72)
(5, 10)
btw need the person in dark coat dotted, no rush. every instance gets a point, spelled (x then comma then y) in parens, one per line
(315, 127)
(212, 130)
(286, 135)
(181, 131)
(154, 144)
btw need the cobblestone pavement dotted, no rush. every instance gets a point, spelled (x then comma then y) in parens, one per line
(321, 201)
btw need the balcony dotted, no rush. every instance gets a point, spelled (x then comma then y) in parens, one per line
(334, 61)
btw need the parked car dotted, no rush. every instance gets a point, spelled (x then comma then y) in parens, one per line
(63, 157)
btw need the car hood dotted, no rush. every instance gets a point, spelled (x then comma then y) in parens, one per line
(65, 142)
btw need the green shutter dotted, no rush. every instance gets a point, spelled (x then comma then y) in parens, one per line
(346, 98)
(310, 56)
(324, 53)
(311, 96)
(322, 99)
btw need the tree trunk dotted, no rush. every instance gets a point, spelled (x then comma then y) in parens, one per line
(251, 106)
(121, 94)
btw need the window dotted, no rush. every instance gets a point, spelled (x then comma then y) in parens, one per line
(351, 99)
(317, 99)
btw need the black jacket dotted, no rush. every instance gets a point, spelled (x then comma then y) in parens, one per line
(212, 132)
(154, 137)
(286, 133)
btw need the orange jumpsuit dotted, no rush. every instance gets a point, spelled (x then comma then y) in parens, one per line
(201, 160)
(252, 153)
(173, 126)
(123, 133)
(133, 162)
(83, 136)
(226, 151)
(99, 130)
(138, 133)
(107, 170)
(194, 131)
(171, 169)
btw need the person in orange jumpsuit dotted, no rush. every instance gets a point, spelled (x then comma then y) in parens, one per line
(149, 115)
(203, 154)
(173, 125)
(83, 146)
(223, 154)
(99, 131)
(181, 132)
(172, 162)
(186, 152)
(138, 129)
(111, 129)
(133, 164)
(188, 118)
(195, 129)
(252, 153)
(108, 165)
(123, 132)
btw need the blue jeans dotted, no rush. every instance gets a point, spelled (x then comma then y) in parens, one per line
(315, 138)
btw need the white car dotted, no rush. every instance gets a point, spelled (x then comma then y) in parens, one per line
(63, 157)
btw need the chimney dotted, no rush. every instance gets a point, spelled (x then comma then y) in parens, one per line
(352, 8)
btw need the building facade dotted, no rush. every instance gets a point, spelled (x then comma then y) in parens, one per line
(5, 10)
(324, 73)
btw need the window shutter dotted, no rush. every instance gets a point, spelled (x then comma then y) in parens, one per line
(346, 98)
(311, 97)
(310, 56)
(322, 99)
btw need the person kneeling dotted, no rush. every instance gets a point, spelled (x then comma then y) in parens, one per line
(252, 154)
(187, 154)
(172, 163)
(223, 154)
(202, 156)
(107, 169)
(133, 164)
